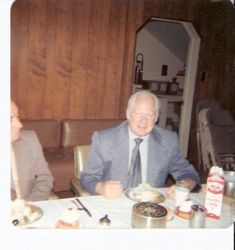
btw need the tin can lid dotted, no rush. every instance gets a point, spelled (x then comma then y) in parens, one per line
(150, 209)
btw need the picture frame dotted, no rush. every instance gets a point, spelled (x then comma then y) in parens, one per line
(163, 88)
(157, 87)
(173, 88)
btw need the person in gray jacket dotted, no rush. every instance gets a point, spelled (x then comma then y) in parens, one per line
(34, 178)
(107, 169)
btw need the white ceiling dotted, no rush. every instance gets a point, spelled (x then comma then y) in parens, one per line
(172, 35)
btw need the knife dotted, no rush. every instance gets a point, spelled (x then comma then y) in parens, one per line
(85, 209)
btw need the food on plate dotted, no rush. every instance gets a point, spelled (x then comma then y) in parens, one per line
(23, 213)
(145, 193)
(184, 210)
(69, 219)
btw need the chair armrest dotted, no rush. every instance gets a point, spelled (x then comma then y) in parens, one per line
(77, 188)
(53, 196)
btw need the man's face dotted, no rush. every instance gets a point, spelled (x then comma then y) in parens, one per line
(16, 125)
(142, 117)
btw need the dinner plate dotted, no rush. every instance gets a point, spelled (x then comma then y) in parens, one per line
(35, 214)
(145, 195)
(170, 215)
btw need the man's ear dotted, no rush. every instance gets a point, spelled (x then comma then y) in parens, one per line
(127, 115)
(157, 116)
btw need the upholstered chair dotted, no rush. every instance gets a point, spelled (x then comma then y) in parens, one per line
(80, 156)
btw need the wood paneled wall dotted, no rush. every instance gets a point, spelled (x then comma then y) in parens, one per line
(74, 58)
(67, 58)
(215, 23)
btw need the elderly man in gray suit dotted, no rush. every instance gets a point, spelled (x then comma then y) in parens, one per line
(108, 169)
(32, 176)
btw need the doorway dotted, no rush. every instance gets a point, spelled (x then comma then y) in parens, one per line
(169, 50)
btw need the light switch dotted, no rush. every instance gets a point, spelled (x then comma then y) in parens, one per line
(203, 76)
(164, 70)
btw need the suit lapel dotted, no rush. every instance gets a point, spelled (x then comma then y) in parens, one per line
(156, 153)
(121, 154)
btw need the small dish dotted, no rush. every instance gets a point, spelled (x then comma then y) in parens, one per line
(182, 214)
(30, 214)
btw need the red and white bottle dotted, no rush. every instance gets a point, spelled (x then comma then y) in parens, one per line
(214, 192)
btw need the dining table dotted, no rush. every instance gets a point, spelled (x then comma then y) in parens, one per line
(119, 212)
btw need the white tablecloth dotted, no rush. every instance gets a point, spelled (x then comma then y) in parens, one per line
(120, 210)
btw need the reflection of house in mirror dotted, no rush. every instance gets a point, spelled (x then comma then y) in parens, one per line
(168, 70)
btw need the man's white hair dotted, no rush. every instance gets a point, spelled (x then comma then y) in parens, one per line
(132, 99)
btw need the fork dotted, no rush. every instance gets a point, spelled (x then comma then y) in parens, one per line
(84, 208)
(76, 204)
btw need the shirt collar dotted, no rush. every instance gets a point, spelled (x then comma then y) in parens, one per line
(132, 136)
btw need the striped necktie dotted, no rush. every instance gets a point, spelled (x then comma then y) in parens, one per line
(135, 168)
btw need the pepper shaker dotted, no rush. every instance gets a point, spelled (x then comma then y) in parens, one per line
(198, 216)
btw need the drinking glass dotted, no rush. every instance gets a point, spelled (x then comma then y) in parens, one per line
(181, 192)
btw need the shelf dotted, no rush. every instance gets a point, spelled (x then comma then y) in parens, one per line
(172, 98)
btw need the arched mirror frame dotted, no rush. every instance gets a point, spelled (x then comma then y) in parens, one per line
(189, 82)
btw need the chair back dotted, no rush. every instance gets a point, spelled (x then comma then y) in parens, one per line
(80, 156)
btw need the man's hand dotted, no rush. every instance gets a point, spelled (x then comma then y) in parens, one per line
(109, 189)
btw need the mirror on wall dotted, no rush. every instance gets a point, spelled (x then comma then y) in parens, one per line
(166, 56)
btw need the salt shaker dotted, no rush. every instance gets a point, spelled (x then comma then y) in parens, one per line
(198, 216)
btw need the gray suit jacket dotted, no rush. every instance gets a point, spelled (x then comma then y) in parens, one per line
(108, 158)
(35, 179)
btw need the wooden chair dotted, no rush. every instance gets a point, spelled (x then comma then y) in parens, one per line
(80, 156)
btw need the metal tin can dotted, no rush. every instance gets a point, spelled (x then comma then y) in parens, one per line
(198, 216)
(148, 215)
